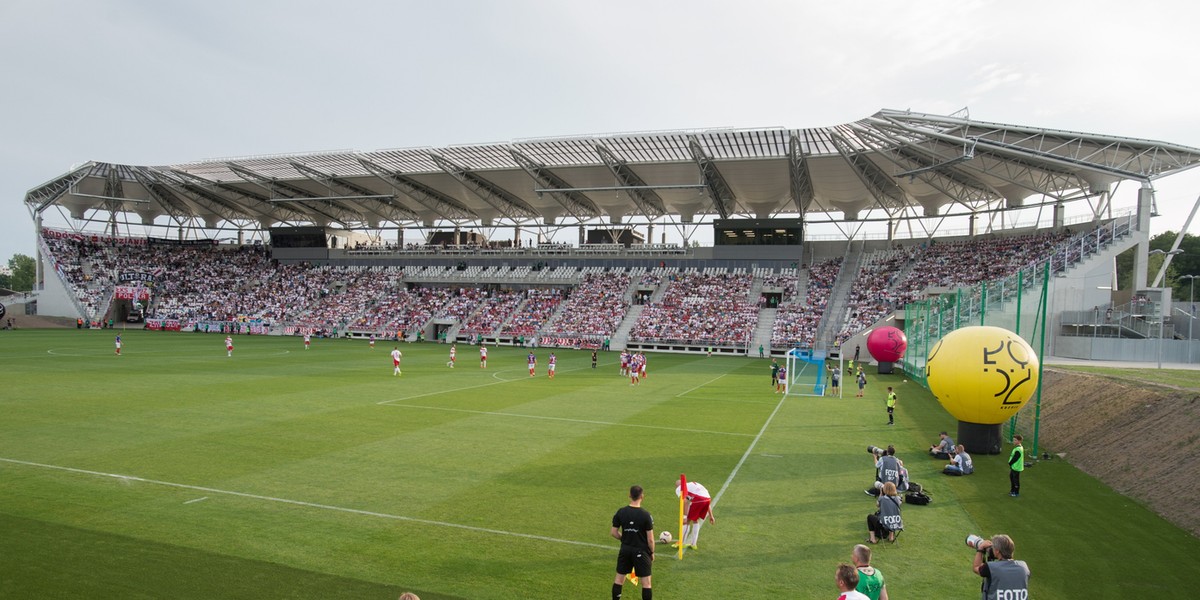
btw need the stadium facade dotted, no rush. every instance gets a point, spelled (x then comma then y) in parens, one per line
(774, 201)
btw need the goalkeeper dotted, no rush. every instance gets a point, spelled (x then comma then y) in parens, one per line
(698, 507)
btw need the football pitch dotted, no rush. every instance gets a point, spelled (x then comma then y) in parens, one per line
(176, 471)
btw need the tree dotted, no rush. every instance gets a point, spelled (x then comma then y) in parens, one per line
(1183, 264)
(23, 273)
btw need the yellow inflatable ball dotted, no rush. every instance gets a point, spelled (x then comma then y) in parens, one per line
(982, 374)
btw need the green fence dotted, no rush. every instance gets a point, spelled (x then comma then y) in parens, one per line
(998, 303)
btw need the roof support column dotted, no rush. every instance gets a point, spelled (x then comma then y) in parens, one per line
(1145, 206)
(1060, 216)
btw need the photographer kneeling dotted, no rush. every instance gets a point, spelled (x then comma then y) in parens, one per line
(943, 448)
(885, 521)
(1003, 577)
(960, 463)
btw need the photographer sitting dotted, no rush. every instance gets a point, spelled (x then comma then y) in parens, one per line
(888, 469)
(885, 521)
(960, 462)
(1002, 576)
(943, 448)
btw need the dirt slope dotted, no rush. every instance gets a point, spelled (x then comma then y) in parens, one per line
(1143, 441)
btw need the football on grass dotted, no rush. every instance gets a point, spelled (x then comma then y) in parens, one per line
(665, 537)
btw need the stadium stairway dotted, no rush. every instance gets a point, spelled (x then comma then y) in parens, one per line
(756, 286)
(620, 337)
(660, 291)
(762, 331)
(802, 287)
(835, 310)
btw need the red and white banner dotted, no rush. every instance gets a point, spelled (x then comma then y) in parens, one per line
(126, 292)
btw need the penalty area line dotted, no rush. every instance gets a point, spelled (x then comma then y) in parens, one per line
(741, 462)
(680, 395)
(315, 505)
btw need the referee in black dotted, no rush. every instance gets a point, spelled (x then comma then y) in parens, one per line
(634, 526)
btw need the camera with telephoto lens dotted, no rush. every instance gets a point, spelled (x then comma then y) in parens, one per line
(876, 450)
(975, 541)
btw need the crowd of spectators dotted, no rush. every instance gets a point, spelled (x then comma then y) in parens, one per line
(797, 322)
(539, 306)
(893, 278)
(595, 308)
(704, 308)
(347, 293)
(493, 312)
(209, 282)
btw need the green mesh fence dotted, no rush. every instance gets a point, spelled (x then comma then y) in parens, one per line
(1000, 303)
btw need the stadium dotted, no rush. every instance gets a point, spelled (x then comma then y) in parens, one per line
(709, 251)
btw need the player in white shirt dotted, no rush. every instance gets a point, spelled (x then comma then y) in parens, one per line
(307, 340)
(483, 357)
(228, 346)
(396, 354)
(698, 508)
(453, 352)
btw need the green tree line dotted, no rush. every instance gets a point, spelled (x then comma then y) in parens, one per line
(23, 274)
(1187, 263)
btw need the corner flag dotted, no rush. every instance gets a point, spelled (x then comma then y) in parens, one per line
(682, 495)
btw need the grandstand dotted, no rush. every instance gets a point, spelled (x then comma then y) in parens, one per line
(818, 236)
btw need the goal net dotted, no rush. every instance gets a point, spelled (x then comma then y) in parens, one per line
(809, 370)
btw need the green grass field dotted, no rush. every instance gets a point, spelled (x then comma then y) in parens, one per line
(174, 471)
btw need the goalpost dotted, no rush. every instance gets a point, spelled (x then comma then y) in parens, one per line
(808, 371)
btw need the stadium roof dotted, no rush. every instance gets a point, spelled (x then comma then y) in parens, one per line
(891, 165)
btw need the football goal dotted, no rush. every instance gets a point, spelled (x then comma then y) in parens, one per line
(809, 370)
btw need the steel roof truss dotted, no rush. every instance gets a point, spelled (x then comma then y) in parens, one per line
(647, 200)
(200, 188)
(887, 194)
(395, 212)
(718, 189)
(50, 192)
(1037, 178)
(801, 181)
(504, 201)
(297, 196)
(442, 205)
(969, 196)
(580, 206)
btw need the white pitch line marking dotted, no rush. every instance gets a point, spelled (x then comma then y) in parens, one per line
(738, 467)
(701, 385)
(587, 421)
(196, 500)
(353, 511)
(772, 455)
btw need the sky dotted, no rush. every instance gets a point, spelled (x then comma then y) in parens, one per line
(154, 83)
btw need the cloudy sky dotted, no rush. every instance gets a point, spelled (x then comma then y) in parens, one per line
(153, 83)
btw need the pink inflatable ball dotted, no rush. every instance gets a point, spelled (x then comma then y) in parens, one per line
(887, 344)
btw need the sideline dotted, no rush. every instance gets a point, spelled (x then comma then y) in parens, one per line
(130, 478)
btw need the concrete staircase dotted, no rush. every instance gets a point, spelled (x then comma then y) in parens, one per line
(835, 310)
(762, 332)
(620, 337)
